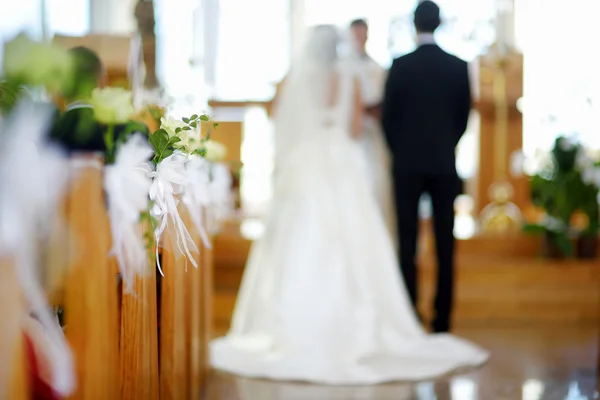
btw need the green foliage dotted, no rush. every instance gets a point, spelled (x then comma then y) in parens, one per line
(560, 191)
(163, 145)
(9, 94)
(150, 226)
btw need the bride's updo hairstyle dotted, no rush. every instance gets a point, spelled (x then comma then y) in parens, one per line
(321, 45)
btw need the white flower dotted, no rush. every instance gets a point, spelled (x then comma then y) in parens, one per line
(215, 151)
(170, 125)
(554, 224)
(37, 64)
(591, 176)
(112, 105)
(192, 141)
(565, 144)
(583, 160)
(539, 163)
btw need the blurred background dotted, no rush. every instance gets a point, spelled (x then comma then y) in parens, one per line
(536, 72)
(232, 53)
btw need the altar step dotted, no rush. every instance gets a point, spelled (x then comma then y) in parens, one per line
(500, 281)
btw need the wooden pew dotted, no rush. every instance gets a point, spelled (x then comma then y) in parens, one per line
(114, 336)
(139, 338)
(13, 373)
(91, 302)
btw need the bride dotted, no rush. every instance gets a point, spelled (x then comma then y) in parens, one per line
(321, 298)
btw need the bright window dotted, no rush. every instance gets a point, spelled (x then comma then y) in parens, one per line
(253, 48)
(68, 17)
(561, 84)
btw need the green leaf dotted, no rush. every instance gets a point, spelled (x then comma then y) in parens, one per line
(215, 125)
(186, 128)
(534, 229)
(186, 120)
(204, 118)
(177, 130)
(194, 124)
(194, 117)
(160, 141)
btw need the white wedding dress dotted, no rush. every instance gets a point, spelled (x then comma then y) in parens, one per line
(379, 160)
(321, 298)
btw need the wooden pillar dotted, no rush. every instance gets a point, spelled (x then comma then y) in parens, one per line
(144, 15)
(488, 152)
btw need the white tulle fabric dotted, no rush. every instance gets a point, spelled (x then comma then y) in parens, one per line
(33, 176)
(197, 194)
(169, 182)
(222, 202)
(321, 298)
(127, 184)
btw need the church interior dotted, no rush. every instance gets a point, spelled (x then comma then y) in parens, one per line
(525, 289)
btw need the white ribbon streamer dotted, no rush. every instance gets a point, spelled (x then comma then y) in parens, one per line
(127, 184)
(221, 196)
(197, 193)
(170, 181)
(33, 176)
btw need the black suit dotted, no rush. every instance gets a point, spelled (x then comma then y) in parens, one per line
(424, 115)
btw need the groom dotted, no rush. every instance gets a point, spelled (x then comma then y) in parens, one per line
(424, 114)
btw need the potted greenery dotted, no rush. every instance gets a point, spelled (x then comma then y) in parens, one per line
(589, 205)
(553, 189)
(566, 186)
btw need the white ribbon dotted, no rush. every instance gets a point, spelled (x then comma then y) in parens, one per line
(197, 193)
(169, 181)
(221, 196)
(33, 176)
(127, 184)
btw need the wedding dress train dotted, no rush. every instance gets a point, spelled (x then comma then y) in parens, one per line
(322, 299)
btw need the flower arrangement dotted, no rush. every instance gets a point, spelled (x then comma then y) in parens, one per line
(30, 65)
(565, 184)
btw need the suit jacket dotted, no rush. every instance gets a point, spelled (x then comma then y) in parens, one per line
(78, 131)
(425, 110)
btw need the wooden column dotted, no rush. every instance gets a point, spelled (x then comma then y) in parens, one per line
(144, 15)
(488, 151)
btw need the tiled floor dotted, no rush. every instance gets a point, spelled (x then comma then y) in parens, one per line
(543, 363)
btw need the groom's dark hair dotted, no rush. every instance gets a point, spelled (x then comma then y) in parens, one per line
(359, 22)
(427, 17)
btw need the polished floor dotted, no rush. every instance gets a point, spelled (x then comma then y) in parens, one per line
(542, 363)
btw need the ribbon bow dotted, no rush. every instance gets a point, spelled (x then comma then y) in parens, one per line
(127, 183)
(169, 182)
(33, 176)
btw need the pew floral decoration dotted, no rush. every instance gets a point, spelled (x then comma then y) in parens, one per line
(127, 184)
(30, 65)
(175, 144)
(33, 176)
(127, 179)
